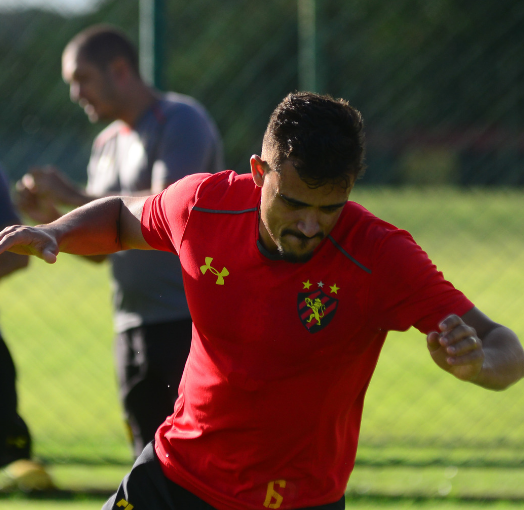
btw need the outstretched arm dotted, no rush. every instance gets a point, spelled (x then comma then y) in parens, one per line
(474, 348)
(103, 226)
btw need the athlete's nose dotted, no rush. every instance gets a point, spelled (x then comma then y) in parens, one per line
(309, 224)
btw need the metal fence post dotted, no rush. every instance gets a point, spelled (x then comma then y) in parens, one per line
(307, 50)
(152, 15)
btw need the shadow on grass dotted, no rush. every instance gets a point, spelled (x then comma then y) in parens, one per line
(444, 462)
(58, 494)
(369, 498)
(383, 498)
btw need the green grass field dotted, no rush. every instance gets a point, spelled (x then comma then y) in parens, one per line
(359, 503)
(424, 435)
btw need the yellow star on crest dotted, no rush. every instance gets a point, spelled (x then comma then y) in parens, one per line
(334, 288)
(306, 284)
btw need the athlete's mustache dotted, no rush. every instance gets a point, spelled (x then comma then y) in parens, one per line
(300, 235)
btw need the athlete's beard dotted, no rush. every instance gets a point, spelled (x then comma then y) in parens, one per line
(290, 256)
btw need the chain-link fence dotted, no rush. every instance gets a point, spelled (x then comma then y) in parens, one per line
(439, 85)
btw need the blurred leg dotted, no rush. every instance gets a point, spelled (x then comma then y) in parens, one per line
(150, 363)
(15, 440)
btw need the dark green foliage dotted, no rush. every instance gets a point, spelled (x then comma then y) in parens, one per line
(443, 74)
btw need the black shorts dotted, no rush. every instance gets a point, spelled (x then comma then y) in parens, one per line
(145, 487)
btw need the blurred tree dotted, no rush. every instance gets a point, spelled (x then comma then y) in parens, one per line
(447, 68)
(38, 122)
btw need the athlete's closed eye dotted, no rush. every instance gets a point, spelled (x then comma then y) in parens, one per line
(330, 209)
(295, 204)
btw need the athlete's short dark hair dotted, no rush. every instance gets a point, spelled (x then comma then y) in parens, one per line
(101, 44)
(322, 136)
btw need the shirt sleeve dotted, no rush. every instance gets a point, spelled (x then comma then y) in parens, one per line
(188, 145)
(164, 216)
(409, 290)
(8, 215)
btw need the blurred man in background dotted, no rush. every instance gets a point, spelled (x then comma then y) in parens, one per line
(15, 440)
(153, 140)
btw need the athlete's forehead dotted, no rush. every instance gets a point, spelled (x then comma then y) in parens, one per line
(291, 188)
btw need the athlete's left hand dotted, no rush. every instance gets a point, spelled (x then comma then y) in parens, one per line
(457, 348)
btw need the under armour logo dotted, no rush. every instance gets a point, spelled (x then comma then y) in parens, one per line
(220, 275)
(125, 504)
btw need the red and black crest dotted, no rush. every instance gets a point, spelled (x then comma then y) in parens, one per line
(316, 309)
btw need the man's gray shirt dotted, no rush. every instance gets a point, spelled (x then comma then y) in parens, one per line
(174, 138)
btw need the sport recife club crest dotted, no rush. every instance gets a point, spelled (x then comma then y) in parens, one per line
(315, 307)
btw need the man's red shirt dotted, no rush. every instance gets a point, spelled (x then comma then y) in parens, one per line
(270, 402)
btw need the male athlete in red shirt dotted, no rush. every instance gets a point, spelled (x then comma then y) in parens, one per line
(292, 290)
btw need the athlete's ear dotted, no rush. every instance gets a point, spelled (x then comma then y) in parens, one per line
(258, 169)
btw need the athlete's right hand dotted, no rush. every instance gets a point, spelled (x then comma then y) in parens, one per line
(29, 241)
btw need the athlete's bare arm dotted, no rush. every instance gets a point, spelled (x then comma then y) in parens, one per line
(474, 348)
(103, 226)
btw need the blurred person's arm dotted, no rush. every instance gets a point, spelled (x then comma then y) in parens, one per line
(11, 262)
(49, 184)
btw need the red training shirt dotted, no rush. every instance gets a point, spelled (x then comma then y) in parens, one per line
(271, 397)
